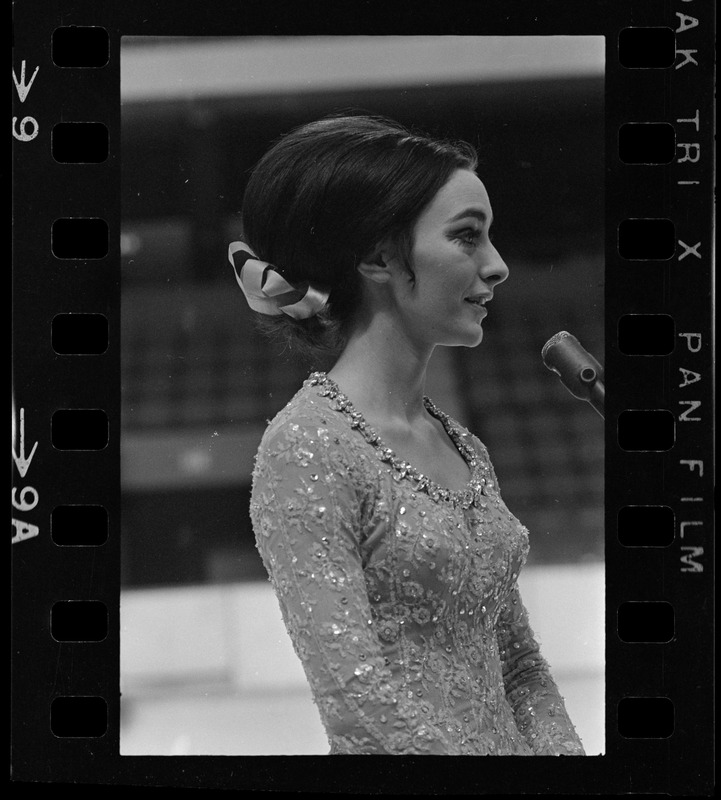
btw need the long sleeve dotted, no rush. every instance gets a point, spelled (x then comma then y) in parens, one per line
(306, 508)
(537, 705)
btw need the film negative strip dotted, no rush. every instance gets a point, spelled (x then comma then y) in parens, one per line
(658, 407)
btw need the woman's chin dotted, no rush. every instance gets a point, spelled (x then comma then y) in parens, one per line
(459, 336)
(471, 338)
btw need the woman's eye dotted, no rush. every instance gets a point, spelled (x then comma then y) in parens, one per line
(469, 236)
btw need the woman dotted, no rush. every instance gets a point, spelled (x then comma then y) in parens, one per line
(378, 517)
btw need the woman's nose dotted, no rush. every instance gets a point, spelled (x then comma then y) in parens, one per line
(494, 269)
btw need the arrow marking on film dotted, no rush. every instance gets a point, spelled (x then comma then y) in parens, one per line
(21, 462)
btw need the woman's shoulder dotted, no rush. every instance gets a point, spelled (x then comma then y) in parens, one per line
(307, 416)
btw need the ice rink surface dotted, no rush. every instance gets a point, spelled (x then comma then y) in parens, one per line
(209, 670)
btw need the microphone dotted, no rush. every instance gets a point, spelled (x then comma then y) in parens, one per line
(578, 370)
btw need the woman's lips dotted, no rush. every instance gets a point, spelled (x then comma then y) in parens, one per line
(479, 307)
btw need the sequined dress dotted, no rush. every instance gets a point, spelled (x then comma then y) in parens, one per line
(400, 596)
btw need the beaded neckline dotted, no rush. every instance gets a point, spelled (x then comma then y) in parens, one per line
(400, 469)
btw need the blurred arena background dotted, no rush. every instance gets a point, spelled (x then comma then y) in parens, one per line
(206, 666)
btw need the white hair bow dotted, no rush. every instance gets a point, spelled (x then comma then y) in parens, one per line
(264, 288)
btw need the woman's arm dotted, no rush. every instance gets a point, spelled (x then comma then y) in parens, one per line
(538, 707)
(306, 513)
(531, 691)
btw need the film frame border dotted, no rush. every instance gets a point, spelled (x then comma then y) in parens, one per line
(45, 573)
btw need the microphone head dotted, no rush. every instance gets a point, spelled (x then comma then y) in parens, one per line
(553, 341)
(577, 369)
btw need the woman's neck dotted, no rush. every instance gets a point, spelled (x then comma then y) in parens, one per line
(382, 373)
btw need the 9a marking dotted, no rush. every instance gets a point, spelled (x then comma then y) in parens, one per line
(24, 498)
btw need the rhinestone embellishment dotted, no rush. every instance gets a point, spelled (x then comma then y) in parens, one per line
(402, 469)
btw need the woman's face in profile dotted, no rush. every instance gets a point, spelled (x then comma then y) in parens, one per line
(455, 264)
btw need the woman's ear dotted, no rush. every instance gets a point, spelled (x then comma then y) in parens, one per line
(375, 266)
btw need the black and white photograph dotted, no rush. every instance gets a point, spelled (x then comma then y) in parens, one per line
(362, 484)
(363, 396)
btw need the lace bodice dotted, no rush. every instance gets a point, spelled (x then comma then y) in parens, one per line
(401, 596)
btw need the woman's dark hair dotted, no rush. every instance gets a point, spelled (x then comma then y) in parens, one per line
(326, 194)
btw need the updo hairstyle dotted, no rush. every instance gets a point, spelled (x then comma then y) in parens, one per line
(326, 194)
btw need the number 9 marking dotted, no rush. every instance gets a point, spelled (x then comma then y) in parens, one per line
(24, 122)
(24, 505)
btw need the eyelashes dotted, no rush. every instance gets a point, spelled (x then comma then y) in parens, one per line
(471, 236)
